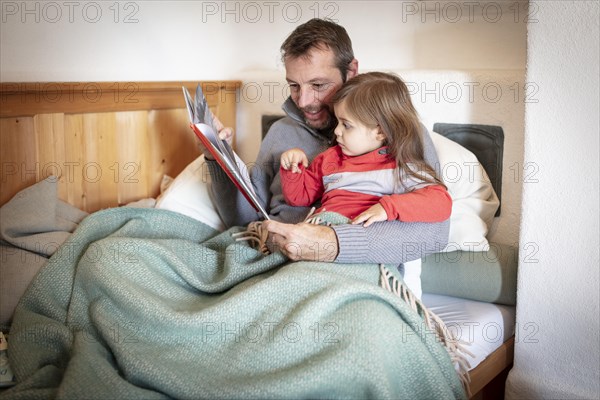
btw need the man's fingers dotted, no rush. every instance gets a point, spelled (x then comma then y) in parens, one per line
(224, 133)
(303, 241)
(204, 150)
(217, 123)
(276, 227)
(280, 243)
(227, 135)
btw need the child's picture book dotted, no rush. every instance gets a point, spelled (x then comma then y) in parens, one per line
(202, 123)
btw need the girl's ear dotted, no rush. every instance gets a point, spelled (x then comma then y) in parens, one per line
(380, 135)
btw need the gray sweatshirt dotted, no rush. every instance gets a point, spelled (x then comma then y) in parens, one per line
(390, 242)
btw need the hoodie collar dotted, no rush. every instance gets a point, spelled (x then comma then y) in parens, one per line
(292, 110)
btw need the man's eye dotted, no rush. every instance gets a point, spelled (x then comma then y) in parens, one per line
(320, 86)
(294, 87)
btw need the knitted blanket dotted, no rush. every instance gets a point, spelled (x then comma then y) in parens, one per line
(146, 303)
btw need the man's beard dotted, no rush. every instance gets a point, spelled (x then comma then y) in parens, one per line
(326, 126)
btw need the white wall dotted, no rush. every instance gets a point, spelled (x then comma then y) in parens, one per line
(437, 45)
(558, 354)
(179, 40)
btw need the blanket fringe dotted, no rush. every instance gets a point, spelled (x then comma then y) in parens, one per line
(257, 236)
(456, 348)
(315, 219)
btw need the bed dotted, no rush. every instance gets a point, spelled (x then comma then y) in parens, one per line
(108, 160)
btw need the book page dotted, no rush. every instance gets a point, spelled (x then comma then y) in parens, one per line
(227, 159)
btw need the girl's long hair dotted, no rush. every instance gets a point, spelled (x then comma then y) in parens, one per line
(382, 99)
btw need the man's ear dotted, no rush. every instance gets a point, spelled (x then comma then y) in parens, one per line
(352, 69)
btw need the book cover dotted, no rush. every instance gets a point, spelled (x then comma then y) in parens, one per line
(201, 122)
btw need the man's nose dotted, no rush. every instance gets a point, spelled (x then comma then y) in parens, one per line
(306, 97)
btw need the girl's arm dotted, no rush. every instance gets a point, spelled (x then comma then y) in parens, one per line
(302, 188)
(429, 204)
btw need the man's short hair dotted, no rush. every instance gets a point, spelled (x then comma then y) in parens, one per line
(320, 34)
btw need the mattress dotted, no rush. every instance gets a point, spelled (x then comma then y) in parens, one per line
(482, 326)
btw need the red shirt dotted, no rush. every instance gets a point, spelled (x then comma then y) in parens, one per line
(350, 185)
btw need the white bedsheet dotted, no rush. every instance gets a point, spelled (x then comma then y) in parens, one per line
(485, 326)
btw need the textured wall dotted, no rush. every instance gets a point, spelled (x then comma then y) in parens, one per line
(557, 351)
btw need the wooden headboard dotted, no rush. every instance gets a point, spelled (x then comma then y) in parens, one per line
(109, 142)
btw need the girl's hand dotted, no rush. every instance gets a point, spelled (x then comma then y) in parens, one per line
(373, 214)
(291, 159)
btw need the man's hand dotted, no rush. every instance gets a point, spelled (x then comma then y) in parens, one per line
(224, 133)
(303, 241)
(372, 214)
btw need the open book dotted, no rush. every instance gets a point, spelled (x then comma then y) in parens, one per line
(201, 122)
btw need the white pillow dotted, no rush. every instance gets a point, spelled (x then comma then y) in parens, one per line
(474, 201)
(188, 194)
(412, 277)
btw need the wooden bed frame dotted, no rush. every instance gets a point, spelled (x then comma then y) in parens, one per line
(110, 143)
(488, 378)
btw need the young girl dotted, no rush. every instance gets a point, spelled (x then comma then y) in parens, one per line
(376, 172)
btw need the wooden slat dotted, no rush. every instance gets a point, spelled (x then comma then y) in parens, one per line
(18, 168)
(30, 98)
(131, 173)
(100, 161)
(173, 141)
(49, 131)
(74, 160)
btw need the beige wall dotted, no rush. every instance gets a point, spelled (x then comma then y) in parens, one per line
(193, 40)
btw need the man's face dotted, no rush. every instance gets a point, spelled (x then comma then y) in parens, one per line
(313, 81)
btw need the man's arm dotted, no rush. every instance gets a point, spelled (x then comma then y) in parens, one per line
(390, 242)
(232, 206)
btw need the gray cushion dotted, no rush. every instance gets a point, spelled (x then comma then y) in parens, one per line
(484, 276)
(486, 142)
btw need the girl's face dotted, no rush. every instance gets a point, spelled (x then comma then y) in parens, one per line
(352, 136)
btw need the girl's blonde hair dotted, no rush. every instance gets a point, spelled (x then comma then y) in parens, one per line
(379, 99)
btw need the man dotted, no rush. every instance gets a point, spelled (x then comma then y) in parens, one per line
(318, 59)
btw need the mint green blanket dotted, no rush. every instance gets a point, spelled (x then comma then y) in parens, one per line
(145, 303)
